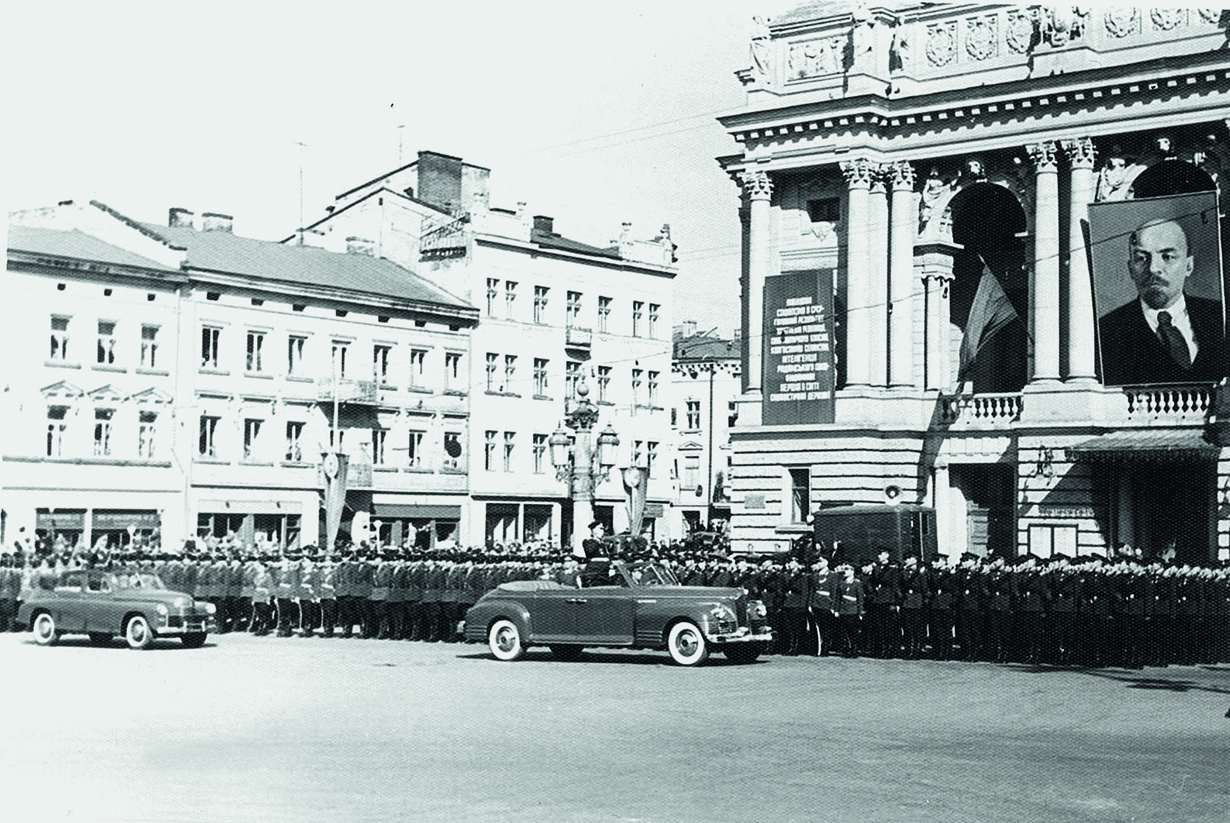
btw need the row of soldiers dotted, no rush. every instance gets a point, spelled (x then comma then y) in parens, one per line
(1087, 611)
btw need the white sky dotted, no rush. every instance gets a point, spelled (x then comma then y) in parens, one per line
(593, 113)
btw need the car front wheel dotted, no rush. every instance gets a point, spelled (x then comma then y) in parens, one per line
(504, 638)
(44, 629)
(194, 640)
(138, 633)
(687, 644)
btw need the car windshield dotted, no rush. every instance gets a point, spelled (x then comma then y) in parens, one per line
(137, 580)
(651, 574)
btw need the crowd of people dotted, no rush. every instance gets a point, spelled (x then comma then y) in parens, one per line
(1088, 611)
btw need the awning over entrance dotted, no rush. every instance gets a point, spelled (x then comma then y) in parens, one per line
(1146, 446)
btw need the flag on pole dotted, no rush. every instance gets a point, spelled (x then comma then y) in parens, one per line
(990, 312)
(334, 465)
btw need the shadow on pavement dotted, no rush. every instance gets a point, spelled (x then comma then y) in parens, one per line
(597, 656)
(1134, 680)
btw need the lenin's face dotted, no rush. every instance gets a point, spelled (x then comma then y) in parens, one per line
(1159, 263)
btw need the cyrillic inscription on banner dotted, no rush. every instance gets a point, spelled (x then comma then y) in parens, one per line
(799, 373)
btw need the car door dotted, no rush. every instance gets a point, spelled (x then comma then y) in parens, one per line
(98, 603)
(68, 593)
(554, 613)
(604, 615)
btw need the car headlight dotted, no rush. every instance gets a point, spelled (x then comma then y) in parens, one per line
(755, 608)
(210, 608)
(162, 609)
(723, 613)
(180, 603)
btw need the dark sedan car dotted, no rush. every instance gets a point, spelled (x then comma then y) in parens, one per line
(631, 605)
(106, 604)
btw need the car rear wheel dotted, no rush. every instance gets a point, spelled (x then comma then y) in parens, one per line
(687, 644)
(44, 629)
(138, 633)
(194, 640)
(742, 653)
(100, 638)
(567, 651)
(504, 639)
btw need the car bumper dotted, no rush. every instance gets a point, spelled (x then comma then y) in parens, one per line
(742, 635)
(196, 624)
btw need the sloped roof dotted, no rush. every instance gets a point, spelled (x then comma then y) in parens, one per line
(74, 244)
(704, 347)
(1145, 445)
(551, 240)
(227, 253)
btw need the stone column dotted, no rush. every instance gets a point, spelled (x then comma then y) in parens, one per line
(1081, 325)
(1044, 288)
(858, 239)
(904, 219)
(936, 274)
(877, 275)
(758, 189)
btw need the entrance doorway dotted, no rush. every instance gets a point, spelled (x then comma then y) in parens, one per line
(1159, 505)
(989, 491)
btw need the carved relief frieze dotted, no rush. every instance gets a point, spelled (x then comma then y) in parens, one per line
(815, 58)
(1021, 31)
(1121, 21)
(1166, 19)
(1210, 15)
(941, 47)
(982, 37)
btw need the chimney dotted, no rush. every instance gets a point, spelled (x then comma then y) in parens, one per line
(439, 180)
(689, 328)
(544, 223)
(213, 221)
(360, 245)
(179, 218)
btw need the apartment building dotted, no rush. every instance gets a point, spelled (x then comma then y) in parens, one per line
(194, 378)
(553, 312)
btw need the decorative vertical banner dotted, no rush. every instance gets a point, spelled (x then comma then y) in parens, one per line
(334, 466)
(799, 370)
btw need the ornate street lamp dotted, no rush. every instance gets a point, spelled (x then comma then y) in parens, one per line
(577, 462)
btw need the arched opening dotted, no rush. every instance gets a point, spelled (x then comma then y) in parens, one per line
(986, 222)
(1171, 177)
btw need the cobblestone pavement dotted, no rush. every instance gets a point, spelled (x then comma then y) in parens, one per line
(266, 729)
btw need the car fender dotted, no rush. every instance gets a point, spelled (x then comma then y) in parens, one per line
(480, 616)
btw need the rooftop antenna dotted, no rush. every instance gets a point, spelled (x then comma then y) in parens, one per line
(400, 136)
(301, 146)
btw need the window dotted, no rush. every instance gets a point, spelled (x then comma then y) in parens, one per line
(207, 446)
(509, 441)
(452, 451)
(339, 358)
(540, 376)
(651, 456)
(492, 365)
(146, 426)
(417, 358)
(294, 355)
(638, 311)
(674, 416)
(693, 408)
(573, 309)
(732, 414)
(655, 311)
(380, 364)
(540, 304)
(378, 443)
(106, 342)
(604, 383)
(452, 371)
(209, 347)
(653, 388)
(510, 297)
(57, 425)
(256, 347)
(510, 371)
(149, 347)
(414, 448)
(489, 450)
(800, 495)
(251, 434)
(102, 432)
(493, 291)
(638, 453)
(59, 338)
(540, 453)
(572, 376)
(294, 438)
(691, 471)
(604, 314)
(637, 379)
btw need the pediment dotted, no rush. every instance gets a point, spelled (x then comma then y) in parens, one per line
(690, 446)
(63, 389)
(152, 396)
(107, 394)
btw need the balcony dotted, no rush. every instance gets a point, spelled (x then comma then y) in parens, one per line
(981, 411)
(1169, 404)
(348, 391)
(580, 339)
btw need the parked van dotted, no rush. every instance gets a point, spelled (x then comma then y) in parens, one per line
(857, 533)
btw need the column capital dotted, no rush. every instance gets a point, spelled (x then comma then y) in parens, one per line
(1080, 152)
(901, 175)
(859, 172)
(1042, 155)
(756, 184)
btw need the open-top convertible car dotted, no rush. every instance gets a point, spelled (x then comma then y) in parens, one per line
(631, 605)
(106, 604)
